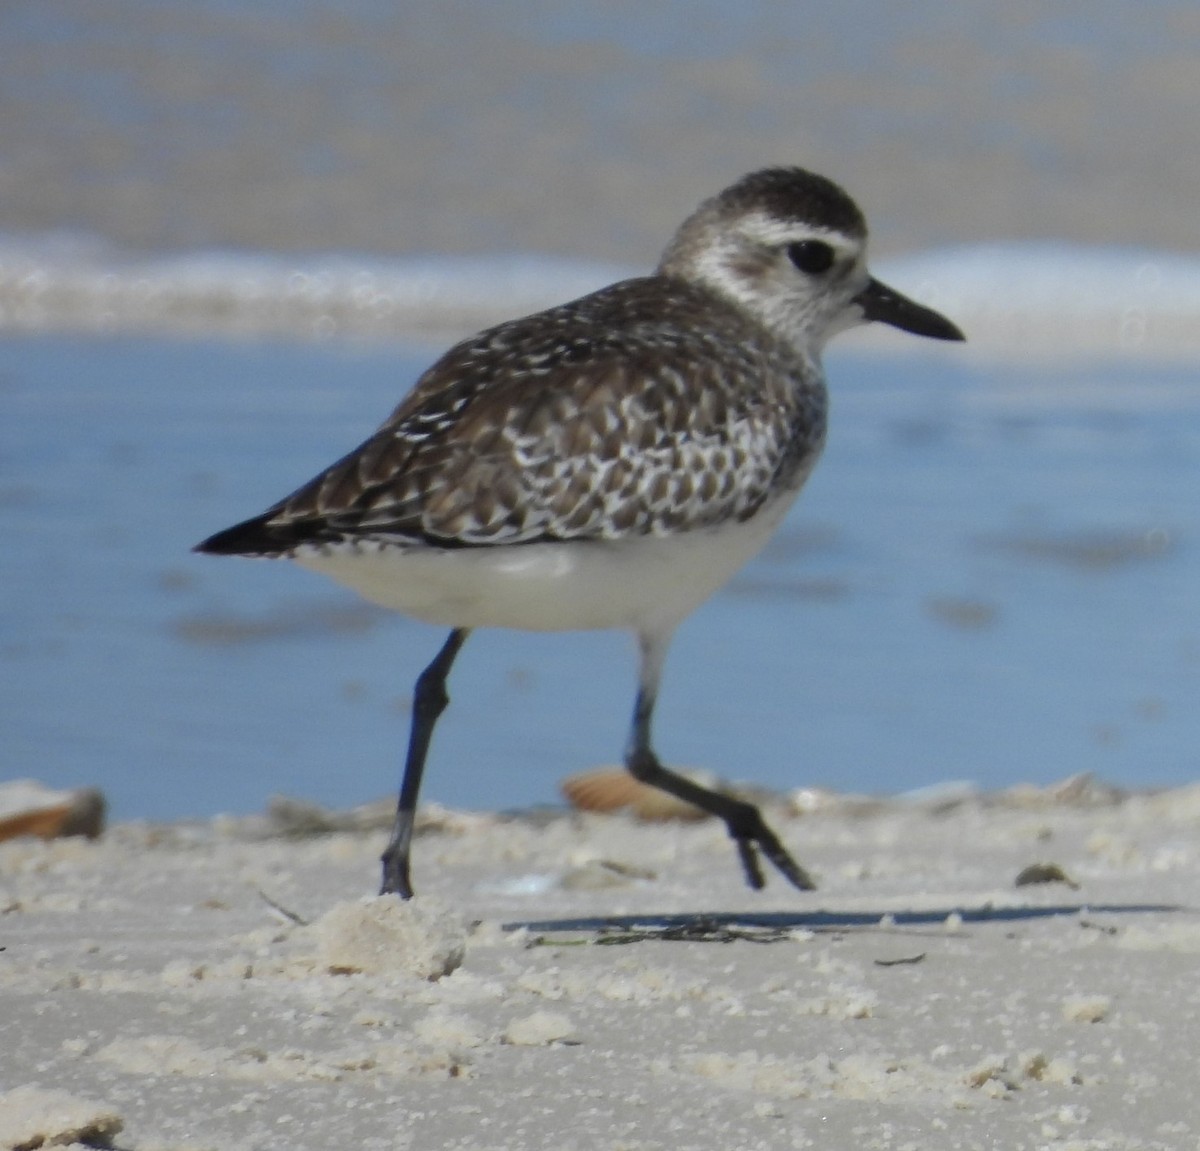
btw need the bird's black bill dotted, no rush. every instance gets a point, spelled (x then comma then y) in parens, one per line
(879, 302)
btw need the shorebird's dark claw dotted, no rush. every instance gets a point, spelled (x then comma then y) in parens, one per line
(750, 864)
(761, 836)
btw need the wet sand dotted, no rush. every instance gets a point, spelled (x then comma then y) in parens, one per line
(589, 130)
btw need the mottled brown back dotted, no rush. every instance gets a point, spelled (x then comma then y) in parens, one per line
(646, 408)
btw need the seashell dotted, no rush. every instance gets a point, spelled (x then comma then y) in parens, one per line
(610, 789)
(601, 874)
(1044, 873)
(29, 808)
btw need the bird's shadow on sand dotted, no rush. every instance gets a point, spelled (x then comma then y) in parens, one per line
(768, 926)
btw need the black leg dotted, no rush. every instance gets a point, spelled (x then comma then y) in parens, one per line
(429, 701)
(745, 822)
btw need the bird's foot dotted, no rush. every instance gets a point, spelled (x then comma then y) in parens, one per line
(751, 833)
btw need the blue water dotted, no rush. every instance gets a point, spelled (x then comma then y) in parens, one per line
(994, 574)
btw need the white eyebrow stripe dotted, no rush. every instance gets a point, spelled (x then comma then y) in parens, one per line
(773, 232)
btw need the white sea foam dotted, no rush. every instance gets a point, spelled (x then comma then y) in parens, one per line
(1012, 299)
(1059, 299)
(70, 283)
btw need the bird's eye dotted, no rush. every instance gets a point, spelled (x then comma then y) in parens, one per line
(811, 256)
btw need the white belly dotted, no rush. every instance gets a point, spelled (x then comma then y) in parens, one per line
(645, 583)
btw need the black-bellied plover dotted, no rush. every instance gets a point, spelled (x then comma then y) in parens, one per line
(608, 463)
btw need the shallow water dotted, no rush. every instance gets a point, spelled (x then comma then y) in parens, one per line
(992, 575)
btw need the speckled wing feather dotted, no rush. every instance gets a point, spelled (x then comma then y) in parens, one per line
(647, 408)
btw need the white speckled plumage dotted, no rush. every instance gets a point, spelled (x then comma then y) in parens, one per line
(610, 462)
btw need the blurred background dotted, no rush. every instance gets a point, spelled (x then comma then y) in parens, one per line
(590, 129)
(233, 234)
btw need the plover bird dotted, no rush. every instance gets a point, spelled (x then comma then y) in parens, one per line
(607, 463)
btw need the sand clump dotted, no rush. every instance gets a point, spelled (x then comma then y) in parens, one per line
(539, 1028)
(388, 936)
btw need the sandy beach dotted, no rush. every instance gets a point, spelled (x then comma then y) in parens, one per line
(585, 981)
